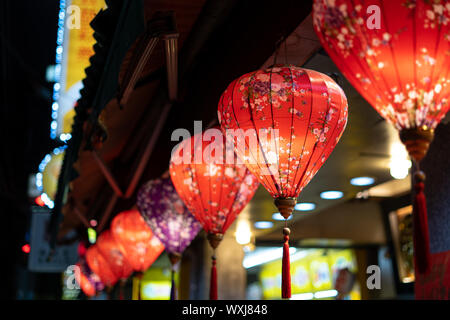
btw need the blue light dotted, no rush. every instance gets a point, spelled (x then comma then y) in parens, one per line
(277, 216)
(263, 224)
(305, 206)
(65, 137)
(58, 59)
(362, 181)
(331, 195)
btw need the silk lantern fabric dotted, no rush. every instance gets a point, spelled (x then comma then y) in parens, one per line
(166, 214)
(213, 185)
(401, 66)
(88, 281)
(291, 119)
(136, 240)
(117, 261)
(214, 191)
(284, 122)
(100, 266)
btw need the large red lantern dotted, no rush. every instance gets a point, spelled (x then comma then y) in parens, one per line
(396, 54)
(284, 121)
(110, 249)
(100, 266)
(136, 240)
(214, 190)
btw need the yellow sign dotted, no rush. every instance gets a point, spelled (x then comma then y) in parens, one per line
(312, 271)
(51, 174)
(154, 285)
(78, 48)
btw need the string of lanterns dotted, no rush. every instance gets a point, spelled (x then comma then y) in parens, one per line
(277, 128)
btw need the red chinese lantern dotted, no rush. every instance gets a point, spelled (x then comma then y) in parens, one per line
(136, 240)
(117, 261)
(88, 281)
(100, 266)
(284, 121)
(214, 190)
(110, 249)
(83, 281)
(396, 54)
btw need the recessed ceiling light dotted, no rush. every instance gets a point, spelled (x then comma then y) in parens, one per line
(362, 181)
(263, 224)
(305, 206)
(277, 216)
(330, 195)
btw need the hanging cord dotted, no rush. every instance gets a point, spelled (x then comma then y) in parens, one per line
(213, 282)
(285, 52)
(173, 289)
(139, 277)
(109, 293)
(174, 258)
(422, 256)
(286, 265)
(277, 50)
(121, 288)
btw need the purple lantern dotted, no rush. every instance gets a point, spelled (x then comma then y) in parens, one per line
(168, 217)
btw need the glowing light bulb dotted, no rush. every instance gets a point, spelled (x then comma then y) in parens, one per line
(399, 164)
(243, 232)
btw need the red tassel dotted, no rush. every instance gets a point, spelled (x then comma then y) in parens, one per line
(421, 235)
(213, 283)
(286, 268)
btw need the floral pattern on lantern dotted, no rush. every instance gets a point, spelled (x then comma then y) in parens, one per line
(401, 68)
(166, 214)
(291, 120)
(214, 191)
(135, 240)
(109, 248)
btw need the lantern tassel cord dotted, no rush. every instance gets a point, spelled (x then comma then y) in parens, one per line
(420, 224)
(139, 277)
(286, 267)
(213, 283)
(121, 285)
(173, 289)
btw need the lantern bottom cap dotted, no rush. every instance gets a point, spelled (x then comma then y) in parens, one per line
(285, 205)
(417, 141)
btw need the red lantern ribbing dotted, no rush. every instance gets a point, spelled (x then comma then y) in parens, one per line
(109, 248)
(213, 186)
(135, 239)
(284, 121)
(100, 266)
(395, 53)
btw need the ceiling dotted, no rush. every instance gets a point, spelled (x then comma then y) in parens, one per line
(218, 42)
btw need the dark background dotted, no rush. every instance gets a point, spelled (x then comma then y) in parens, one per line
(27, 46)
